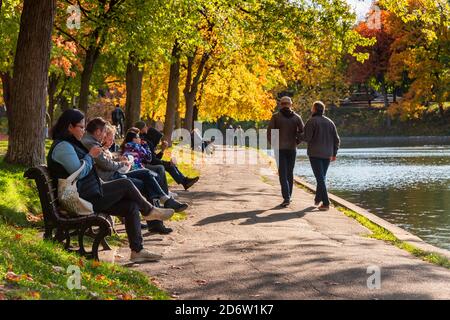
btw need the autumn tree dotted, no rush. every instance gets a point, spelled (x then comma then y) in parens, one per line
(9, 30)
(375, 68)
(30, 76)
(96, 20)
(421, 51)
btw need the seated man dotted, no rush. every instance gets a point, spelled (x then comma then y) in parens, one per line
(109, 170)
(152, 137)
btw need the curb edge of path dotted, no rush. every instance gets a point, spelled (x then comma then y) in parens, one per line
(398, 232)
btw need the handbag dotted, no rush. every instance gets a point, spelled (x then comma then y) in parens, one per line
(69, 198)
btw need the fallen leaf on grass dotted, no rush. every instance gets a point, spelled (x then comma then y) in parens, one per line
(100, 277)
(58, 269)
(96, 264)
(33, 218)
(2, 297)
(125, 296)
(35, 294)
(12, 277)
(18, 236)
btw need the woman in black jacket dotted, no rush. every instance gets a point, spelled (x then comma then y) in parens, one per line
(119, 197)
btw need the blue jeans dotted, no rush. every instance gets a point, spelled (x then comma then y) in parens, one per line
(286, 164)
(174, 172)
(320, 168)
(146, 183)
(161, 172)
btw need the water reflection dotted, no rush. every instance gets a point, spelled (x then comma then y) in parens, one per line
(407, 186)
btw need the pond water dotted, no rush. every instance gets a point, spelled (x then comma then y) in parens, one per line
(407, 186)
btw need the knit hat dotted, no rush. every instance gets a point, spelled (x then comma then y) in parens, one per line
(140, 125)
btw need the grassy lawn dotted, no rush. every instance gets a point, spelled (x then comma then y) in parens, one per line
(31, 268)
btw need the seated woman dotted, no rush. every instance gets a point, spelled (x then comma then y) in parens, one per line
(119, 197)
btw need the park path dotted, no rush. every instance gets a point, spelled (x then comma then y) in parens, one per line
(237, 244)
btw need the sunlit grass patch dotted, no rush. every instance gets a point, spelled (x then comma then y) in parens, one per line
(383, 234)
(31, 268)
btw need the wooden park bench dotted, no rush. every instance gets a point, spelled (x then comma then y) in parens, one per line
(61, 227)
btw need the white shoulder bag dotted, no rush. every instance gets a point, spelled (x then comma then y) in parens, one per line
(68, 196)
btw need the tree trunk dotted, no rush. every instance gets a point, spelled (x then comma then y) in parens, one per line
(441, 109)
(195, 117)
(7, 91)
(30, 77)
(134, 92)
(91, 58)
(191, 88)
(51, 90)
(386, 102)
(173, 93)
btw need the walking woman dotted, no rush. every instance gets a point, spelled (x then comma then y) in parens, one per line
(119, 197)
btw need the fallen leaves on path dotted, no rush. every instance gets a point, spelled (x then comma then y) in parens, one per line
(176, 267)
(201, 282)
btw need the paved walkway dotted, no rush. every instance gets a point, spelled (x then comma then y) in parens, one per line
(237, 244)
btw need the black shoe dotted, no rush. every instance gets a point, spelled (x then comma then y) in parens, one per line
(143, 226)
(158, 226)
(189, 182)
(175, 205)
(285, 203)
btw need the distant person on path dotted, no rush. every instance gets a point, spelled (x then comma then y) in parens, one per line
(159, 125)
(118, 119)
(239, 132)
(290, 126)
(323, 144)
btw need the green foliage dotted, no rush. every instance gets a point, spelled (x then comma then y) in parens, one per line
(9, 31)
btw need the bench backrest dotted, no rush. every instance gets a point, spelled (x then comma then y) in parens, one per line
(47, 193)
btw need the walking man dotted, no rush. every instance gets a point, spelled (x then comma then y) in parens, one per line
(290, 126)
(323, 144)
(118, 119)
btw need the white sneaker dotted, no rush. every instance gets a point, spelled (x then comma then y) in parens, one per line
(173, 194)
(159, 214)
(144, 256)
